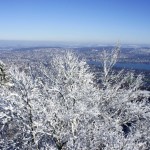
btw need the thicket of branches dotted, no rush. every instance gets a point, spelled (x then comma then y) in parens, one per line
(58, 106)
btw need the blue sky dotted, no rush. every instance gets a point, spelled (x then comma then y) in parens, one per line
(104, 21)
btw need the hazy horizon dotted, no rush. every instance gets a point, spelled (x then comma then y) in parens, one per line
(24, 43)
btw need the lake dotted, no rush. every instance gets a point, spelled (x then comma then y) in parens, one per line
(125, 65)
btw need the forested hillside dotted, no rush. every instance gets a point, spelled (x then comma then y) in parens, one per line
(57, 105)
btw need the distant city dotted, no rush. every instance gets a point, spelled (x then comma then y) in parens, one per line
(128, 53)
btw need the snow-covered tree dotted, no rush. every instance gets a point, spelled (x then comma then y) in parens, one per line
(69, 97)
(3, 74)
(125, 105)
(16, 96)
